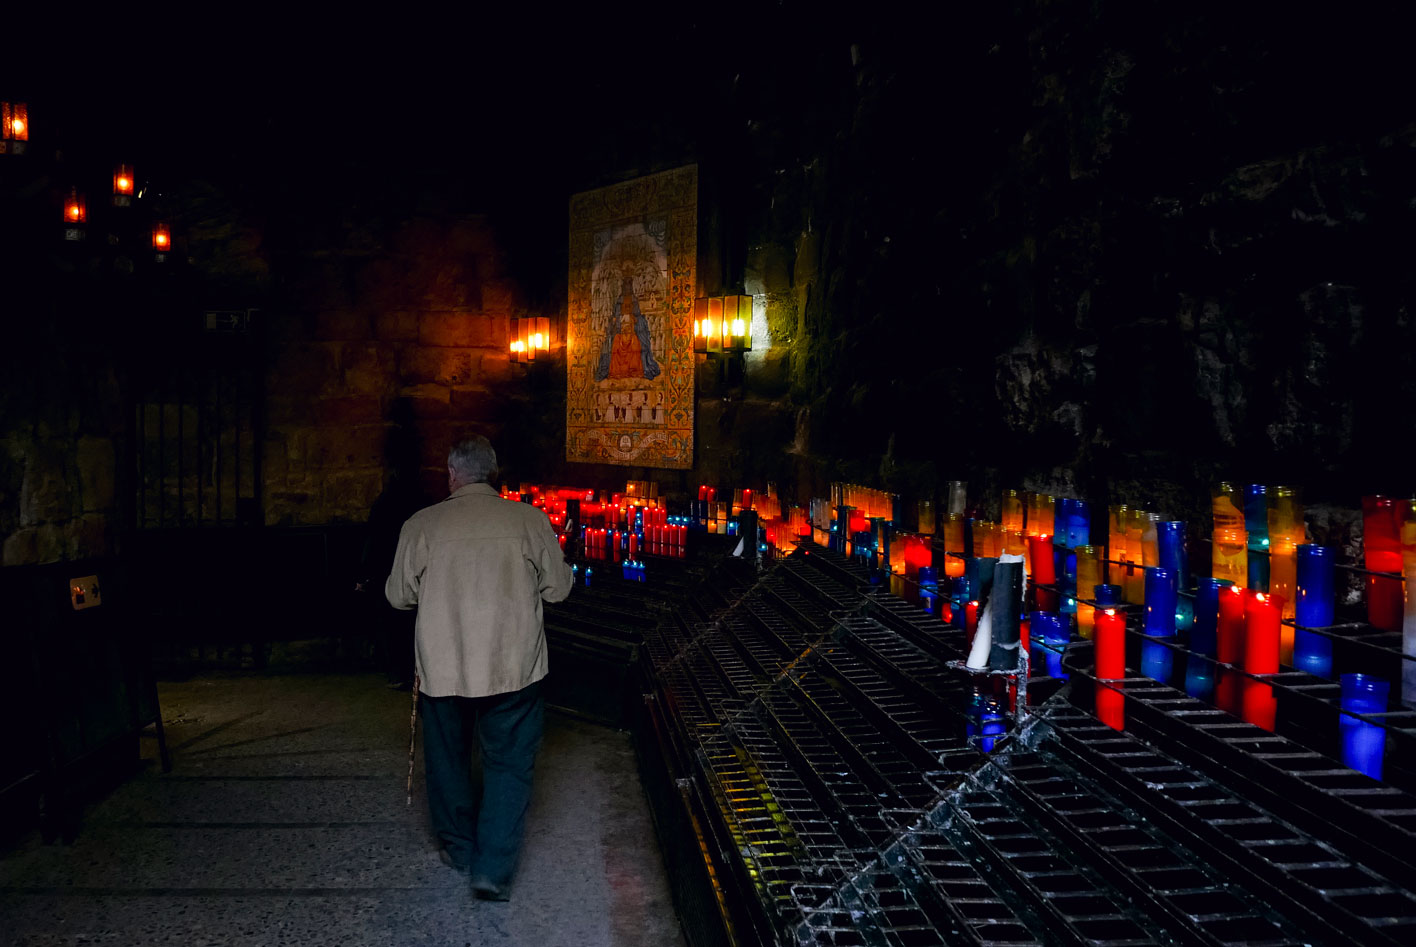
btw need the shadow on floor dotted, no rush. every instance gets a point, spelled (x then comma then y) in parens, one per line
(285, 821)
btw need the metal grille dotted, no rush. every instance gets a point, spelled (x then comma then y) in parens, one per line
(827, 735)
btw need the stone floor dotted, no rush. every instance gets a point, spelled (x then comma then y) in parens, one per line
(285, 821)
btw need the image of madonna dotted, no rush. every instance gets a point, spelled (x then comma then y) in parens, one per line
(625, 351)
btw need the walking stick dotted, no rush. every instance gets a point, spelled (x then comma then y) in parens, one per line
(412, 737)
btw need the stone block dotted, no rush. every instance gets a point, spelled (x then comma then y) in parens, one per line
(367, 367)
(51, 543)
(420, 237)
(769, 269)
(385, 284)
(297, 452)
(45, 491)
(477, 405)
(427, 401)
(321, 285)
(349, 496)
(22, 547)
(449, 284)
(338, 324)
(461, 329)
(289, 508)
(98, 471)
(421, 365)
(494, 367)
(304, 370)
(88, 536)
(768, 375)
(780, 310)
(354, 409)
(469, 237)
(396, 325)
(274, 459)
(499, 296)
(340, 448)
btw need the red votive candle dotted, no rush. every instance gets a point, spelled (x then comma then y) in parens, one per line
(970, 625)
(561, 540)
(1261, 632)
(1381, 552)
(1111, 708)
(1260, 706)
(1044, 571)
(1109, 633)
(634, 545)
(1230, 628)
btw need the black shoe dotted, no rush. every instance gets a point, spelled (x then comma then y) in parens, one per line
(447, 860)
(483, 889)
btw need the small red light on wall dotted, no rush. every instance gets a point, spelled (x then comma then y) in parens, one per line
(123, 185)
(14, 127)
(75, 211)
(161, 240)
(75, 215)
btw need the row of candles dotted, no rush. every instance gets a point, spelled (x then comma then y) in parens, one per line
(669, 539)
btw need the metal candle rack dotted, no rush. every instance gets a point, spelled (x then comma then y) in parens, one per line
(805, 744)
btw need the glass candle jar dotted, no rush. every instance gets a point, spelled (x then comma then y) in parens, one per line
(1229, 552)
(1381, 551)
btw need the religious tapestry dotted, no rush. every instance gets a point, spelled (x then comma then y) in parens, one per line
(629, 340)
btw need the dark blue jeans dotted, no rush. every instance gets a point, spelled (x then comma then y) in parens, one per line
(484, 837)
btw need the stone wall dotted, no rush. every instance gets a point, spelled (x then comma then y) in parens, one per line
(61, 430)
(406, 333)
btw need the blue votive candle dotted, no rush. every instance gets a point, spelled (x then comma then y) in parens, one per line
(1106, 596)
(1204, 636)
(1077, 523)
(1199, 678)
(1314, 608)
(1051, 628)
(1160, 602)
(1363, 743)
(1157, 661)
(1170, 550)
(1069, 585)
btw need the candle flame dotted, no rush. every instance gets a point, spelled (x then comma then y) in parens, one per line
(18, 126)
(1110, 611)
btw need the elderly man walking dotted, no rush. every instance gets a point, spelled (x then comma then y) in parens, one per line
(478, 568)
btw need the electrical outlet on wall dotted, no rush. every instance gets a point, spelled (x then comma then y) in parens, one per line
(84, 592)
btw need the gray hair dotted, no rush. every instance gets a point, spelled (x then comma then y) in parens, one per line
(473, 460)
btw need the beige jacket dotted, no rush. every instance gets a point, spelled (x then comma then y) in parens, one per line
(478, 567)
